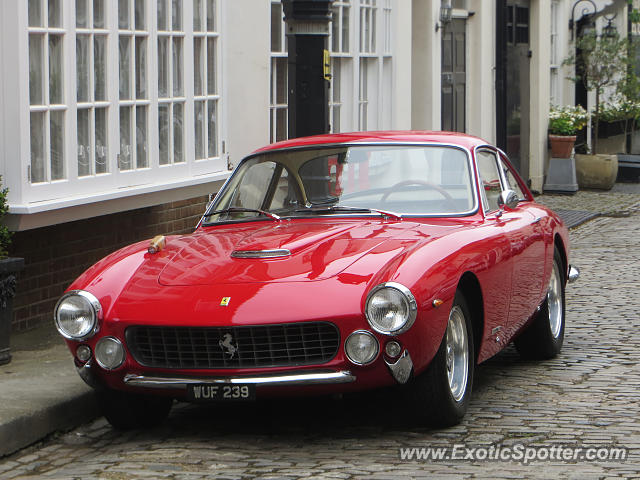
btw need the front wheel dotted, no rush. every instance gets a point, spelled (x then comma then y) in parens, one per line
(126, 411)
(441, 394)
(543, 338)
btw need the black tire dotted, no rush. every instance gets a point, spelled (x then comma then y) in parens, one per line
(544, 336)
(126, 411)
(435, 401)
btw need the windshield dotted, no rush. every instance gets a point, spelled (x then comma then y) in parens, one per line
(409, 180)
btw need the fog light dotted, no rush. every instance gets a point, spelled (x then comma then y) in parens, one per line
(392, 349)
(109, 353)
(361, 347)
(83, 353)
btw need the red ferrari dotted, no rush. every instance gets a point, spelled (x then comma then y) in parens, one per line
(329, 264)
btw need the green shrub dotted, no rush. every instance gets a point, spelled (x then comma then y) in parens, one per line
(5, 234)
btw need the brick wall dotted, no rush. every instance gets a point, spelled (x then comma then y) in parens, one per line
(56, 255)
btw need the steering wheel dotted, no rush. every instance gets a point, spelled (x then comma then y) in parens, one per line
(404, 183)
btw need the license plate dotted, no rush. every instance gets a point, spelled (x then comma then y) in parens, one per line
(220, 392)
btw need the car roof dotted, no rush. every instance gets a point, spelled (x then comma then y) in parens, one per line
(382, 137)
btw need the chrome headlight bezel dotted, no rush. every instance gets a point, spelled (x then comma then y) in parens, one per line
(374, 343)
(95, 310)
(99, 356)
(407, 297)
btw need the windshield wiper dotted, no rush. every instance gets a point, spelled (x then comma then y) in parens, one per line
(345, 208)
(272, 216)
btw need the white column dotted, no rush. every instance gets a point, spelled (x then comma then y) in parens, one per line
(540, 43)
(481, 55)
(426, 65)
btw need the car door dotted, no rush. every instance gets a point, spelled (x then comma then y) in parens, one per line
(529, 251)
(517, 226)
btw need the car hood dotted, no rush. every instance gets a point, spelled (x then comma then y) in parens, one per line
(317, 250)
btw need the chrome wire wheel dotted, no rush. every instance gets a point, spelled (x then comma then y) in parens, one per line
(457, 353)
(554, 300)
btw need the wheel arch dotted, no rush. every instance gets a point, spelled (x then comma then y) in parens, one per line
(470, 288)
(558, 243)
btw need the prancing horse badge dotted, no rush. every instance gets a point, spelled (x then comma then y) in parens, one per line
(225, 301)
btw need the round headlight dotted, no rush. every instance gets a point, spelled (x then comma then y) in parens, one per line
(109, 353)
(391, 308)
(76, 315)
(361, 347)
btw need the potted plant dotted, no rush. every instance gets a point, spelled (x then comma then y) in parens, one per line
(9, 267)
(564, 123)
(601, 62)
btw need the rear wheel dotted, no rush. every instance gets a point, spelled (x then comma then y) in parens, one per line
(543, 338)
(442, 392)
(126, 411)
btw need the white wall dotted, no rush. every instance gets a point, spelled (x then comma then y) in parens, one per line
(246, 56)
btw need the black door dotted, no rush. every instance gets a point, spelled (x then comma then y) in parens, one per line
(454, 76)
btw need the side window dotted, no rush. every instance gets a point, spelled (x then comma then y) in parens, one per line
(489, 179)
(511, 180)
(284, 195)
(253, 186)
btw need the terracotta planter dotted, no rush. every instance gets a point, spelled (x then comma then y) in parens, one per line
(596, 171)
(561, 146)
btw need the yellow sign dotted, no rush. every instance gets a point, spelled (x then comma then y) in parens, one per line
(327, 65)
(225, 301)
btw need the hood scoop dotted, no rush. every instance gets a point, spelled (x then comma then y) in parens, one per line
(271, 253)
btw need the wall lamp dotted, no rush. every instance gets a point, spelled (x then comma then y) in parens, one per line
(585, 10)
(446, 12)
(610, 31)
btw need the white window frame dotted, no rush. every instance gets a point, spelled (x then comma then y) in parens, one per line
(555, 80)
(277, 63)
(27, 197)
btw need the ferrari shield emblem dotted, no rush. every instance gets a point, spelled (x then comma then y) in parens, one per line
(225, 301)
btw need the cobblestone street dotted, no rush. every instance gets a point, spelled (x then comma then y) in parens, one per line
(587, 397)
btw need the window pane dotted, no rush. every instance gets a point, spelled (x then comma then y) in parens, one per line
(84, 143)
(163, 128)
(141, 137)
(281, 80)
(36, 64)
(37, 147)
(55, 69)
(176, 15)
(276, 27)
(213, 128)
(35, 13)
(82, 14)
(101, 140)
(98, 13)
(139, 15)
(197, 16)
(281, 124)
(55, 14)
(163, 67)
(211, 15)
(198, 67)
(123, 14)
(141, 67)
(124, 162)
(211, 66)
(199, 122)
(345, 29)
(100, 67)
(335, 30)
(162, 15)
(177, 67)
(178, 150)
(57, 144)
(125, 65)
(82, 67)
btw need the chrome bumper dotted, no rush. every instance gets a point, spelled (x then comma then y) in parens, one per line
(574, 274)
(180, 383)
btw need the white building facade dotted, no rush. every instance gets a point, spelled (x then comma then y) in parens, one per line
(108, 106)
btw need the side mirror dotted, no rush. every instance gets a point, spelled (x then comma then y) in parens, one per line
(508, 199)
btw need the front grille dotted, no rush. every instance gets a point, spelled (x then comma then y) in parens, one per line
(236, 347)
